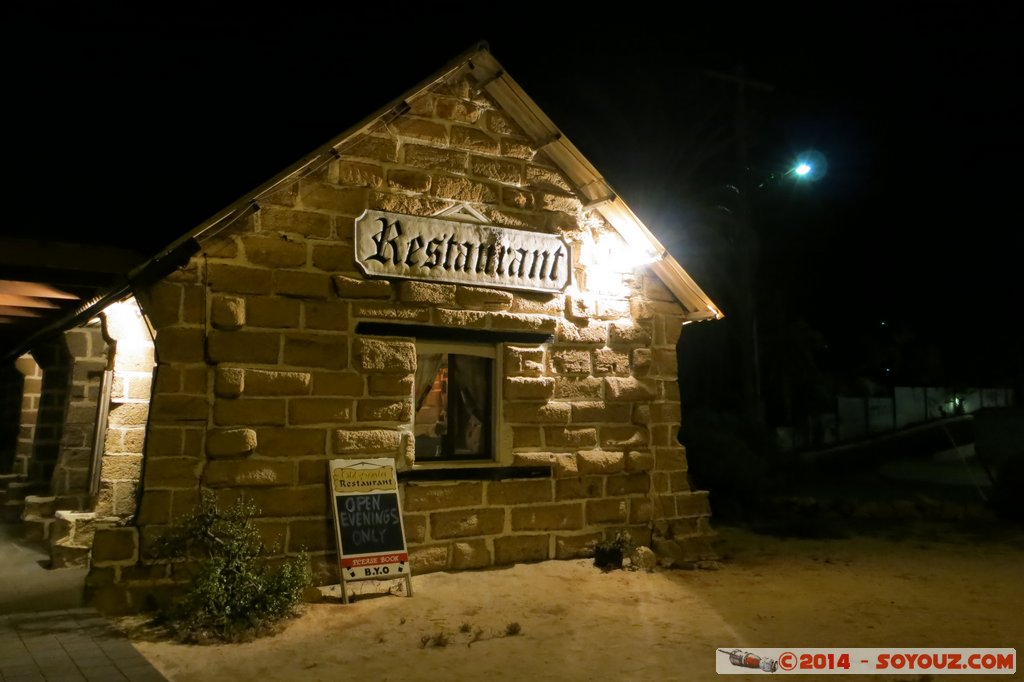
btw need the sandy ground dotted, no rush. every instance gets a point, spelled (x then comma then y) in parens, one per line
(578, 623)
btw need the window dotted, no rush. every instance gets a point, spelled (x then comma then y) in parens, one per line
(456, 402)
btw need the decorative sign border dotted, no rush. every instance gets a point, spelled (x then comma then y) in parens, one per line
(397, 246)
(367, 511)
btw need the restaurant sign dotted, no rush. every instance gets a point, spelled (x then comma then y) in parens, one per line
(392, 245)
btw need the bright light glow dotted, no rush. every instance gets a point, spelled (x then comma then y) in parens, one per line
(802, 169)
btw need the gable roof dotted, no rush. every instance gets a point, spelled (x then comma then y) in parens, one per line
(480, 65)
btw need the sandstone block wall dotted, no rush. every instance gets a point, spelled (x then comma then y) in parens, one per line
(262, 378)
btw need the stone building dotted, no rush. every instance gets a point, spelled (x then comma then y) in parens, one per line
(449, 283)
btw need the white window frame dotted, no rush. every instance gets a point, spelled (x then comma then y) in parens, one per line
(501, 455)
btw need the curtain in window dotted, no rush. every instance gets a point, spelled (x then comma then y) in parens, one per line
(426, 371)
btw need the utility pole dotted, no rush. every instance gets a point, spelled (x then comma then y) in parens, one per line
(748, 247)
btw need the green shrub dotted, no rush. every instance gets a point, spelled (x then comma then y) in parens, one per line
(232, 593)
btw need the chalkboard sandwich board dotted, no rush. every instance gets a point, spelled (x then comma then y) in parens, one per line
(368, 521)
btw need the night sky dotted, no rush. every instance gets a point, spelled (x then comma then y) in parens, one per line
(131, 129)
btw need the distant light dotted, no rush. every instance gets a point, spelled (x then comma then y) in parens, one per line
(887, 369)
(802, 169)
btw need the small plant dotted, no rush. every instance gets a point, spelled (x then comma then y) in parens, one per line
(465, 627)
(512, 629)
(611, 552)
(232, 595)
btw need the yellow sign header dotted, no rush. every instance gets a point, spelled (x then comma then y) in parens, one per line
(363, 480)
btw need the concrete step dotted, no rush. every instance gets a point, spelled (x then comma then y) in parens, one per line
(73, 529)
(36, 529)
(19, 490)
(10, 512)
(68, 556)
(39, 505)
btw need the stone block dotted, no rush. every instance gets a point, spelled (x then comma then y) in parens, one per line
(327, 351)
(259, 382)
(473, 139)
(529, 388)
(229, 382)
(272, 311)
(333, 257)
(171, 472)
(243, 346)
(600, 412)
(355, 174)
(391, 312)
(121, 467)
(515, 198)
(576, 546)
(421, 129)
(180, 344)
(523, 361)
(571, 361)
(628, 389)
(463, 189)
(526, 436)
(385, 356)
(351, 287)
(280, 501)
(552, 201)
(693, 504)
(337, 384)
(311, 535)
(623, 437)
(513, 549)
(460, 318)
(329, 315)
(306, 223)
(523, 322)
(626, 334)
(431, 158)
(249, 412)
(291, 442)
(607, 361)
(154, 508)
(434, 496)
(275, 252)
(639, 461)
(390, 384)
(426, 292)
(466, 523)
(665, 412)
(302, 284)
(607, 511)
(162, 303)
(519, 492)
(469, 554)
(367, 441)
(319, 411)
(599, 462)
(164, 441)
(415, 528)
(641, 510)
(409, 180)
(628, 484)
(239, 279)
(409, 204)
(325, 197)
(112, 546)
(579, 487)
(499, 170)
(227, 312)
(670, 459)
(537, 413)
(177, 408)
(515, 148)
(457, 110)
(369, 147)
(428, 558)
(571, 437)
(230, 442)
(579, 388)
(482, 299)
(566, 516)
(561, 463)
(384, 410)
